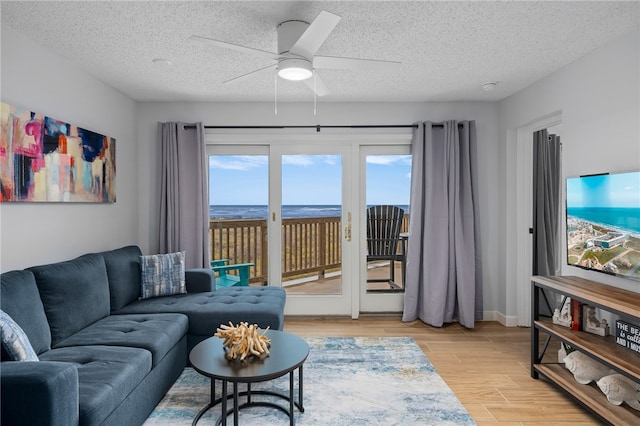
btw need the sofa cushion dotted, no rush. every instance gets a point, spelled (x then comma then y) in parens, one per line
(123, 270)
(206, 311)
(106, 376)
(14, 341)
(20, 299)
(74, 293)
(162, 274)
(157, 333)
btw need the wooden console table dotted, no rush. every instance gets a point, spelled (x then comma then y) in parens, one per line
(623, 303)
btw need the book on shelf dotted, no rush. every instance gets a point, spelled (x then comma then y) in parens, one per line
(576, 315)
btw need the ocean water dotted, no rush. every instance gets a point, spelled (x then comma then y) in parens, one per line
(288, 211)
(627, 219)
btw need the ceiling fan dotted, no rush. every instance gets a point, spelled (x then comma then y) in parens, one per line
(298, 41)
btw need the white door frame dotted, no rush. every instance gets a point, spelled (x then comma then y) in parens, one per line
(524, 213)
(233, 143)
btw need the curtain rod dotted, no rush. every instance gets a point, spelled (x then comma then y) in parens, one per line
(318, 127)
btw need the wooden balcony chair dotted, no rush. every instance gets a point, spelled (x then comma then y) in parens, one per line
(383, 234)
(223, 279)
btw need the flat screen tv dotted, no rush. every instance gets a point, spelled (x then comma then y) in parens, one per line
(603, 223)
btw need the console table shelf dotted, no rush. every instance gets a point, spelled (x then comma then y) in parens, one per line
(621, 302)
(617, 357)
(589, 395)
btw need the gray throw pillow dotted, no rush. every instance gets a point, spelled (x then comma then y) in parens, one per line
(162, 275)
(14, 341)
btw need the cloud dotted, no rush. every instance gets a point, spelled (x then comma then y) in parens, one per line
(237, 162)
(332, 160)
(386, 160)
(297, 160)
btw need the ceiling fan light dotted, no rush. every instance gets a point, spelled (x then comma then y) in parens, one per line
(295, 69)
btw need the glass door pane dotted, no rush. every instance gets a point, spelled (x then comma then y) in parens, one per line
(388, 183)
(311, 215)
(238, 198)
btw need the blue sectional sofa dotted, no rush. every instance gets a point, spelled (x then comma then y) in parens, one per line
(106, 357)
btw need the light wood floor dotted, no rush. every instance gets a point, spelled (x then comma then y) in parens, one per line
(487, 368)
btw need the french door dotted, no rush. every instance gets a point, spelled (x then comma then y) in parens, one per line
(310, 227)
(385, 179)
(295, 209)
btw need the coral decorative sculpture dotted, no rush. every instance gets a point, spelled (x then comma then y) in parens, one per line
(585, 369)
(619, 389)
(244, 340)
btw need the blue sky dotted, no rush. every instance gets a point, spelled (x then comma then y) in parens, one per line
(307, 179)
(615, 190)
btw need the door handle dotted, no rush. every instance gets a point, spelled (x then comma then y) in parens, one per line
(347, 229)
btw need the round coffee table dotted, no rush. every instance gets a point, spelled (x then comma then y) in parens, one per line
(287, 353)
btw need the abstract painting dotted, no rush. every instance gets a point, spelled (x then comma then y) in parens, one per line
(47, 160)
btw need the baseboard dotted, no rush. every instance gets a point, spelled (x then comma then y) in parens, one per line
(486, 316)
(507, 321)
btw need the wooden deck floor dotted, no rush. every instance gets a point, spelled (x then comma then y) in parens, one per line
(487, 368)
(331, 284)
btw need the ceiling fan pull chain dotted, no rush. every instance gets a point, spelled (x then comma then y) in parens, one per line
(314, 91)
(275, 79)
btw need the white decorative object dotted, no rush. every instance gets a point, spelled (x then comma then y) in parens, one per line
(584, 369)
(619, 389)
(562, 353)
(563, 316)
(592, 324)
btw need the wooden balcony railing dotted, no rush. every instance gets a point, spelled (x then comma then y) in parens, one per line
(310, 245)
(241, 241)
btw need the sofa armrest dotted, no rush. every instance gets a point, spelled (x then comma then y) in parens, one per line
(200, 280)
(39, 393)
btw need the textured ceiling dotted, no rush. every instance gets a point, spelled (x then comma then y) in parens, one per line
(447, 49)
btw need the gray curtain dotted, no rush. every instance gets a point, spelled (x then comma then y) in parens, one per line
(546, 210)
(184, 203)
(444, 275)
(546, 202)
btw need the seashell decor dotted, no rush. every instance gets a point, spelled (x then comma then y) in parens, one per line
(616, 387)
(619, 389)
(244, 340)
(585, 369)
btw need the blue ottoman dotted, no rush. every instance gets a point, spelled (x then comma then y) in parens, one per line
(206, 311)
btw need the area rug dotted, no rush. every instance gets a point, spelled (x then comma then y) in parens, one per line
(347, 381)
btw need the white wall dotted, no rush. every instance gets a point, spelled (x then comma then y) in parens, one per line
(598, 96)
(599, 100)
(34, 234)
(485, 114)
(40, 233)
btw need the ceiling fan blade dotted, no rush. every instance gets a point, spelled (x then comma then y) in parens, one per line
(313, 37)
(249, 74)
(237, 47)
(319, 87)
(354, 64)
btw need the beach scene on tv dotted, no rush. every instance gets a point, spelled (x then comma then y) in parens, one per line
(603, 223)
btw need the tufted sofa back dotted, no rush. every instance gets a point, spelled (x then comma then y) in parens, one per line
(74, 294)
(20, 299)
(123, 270)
